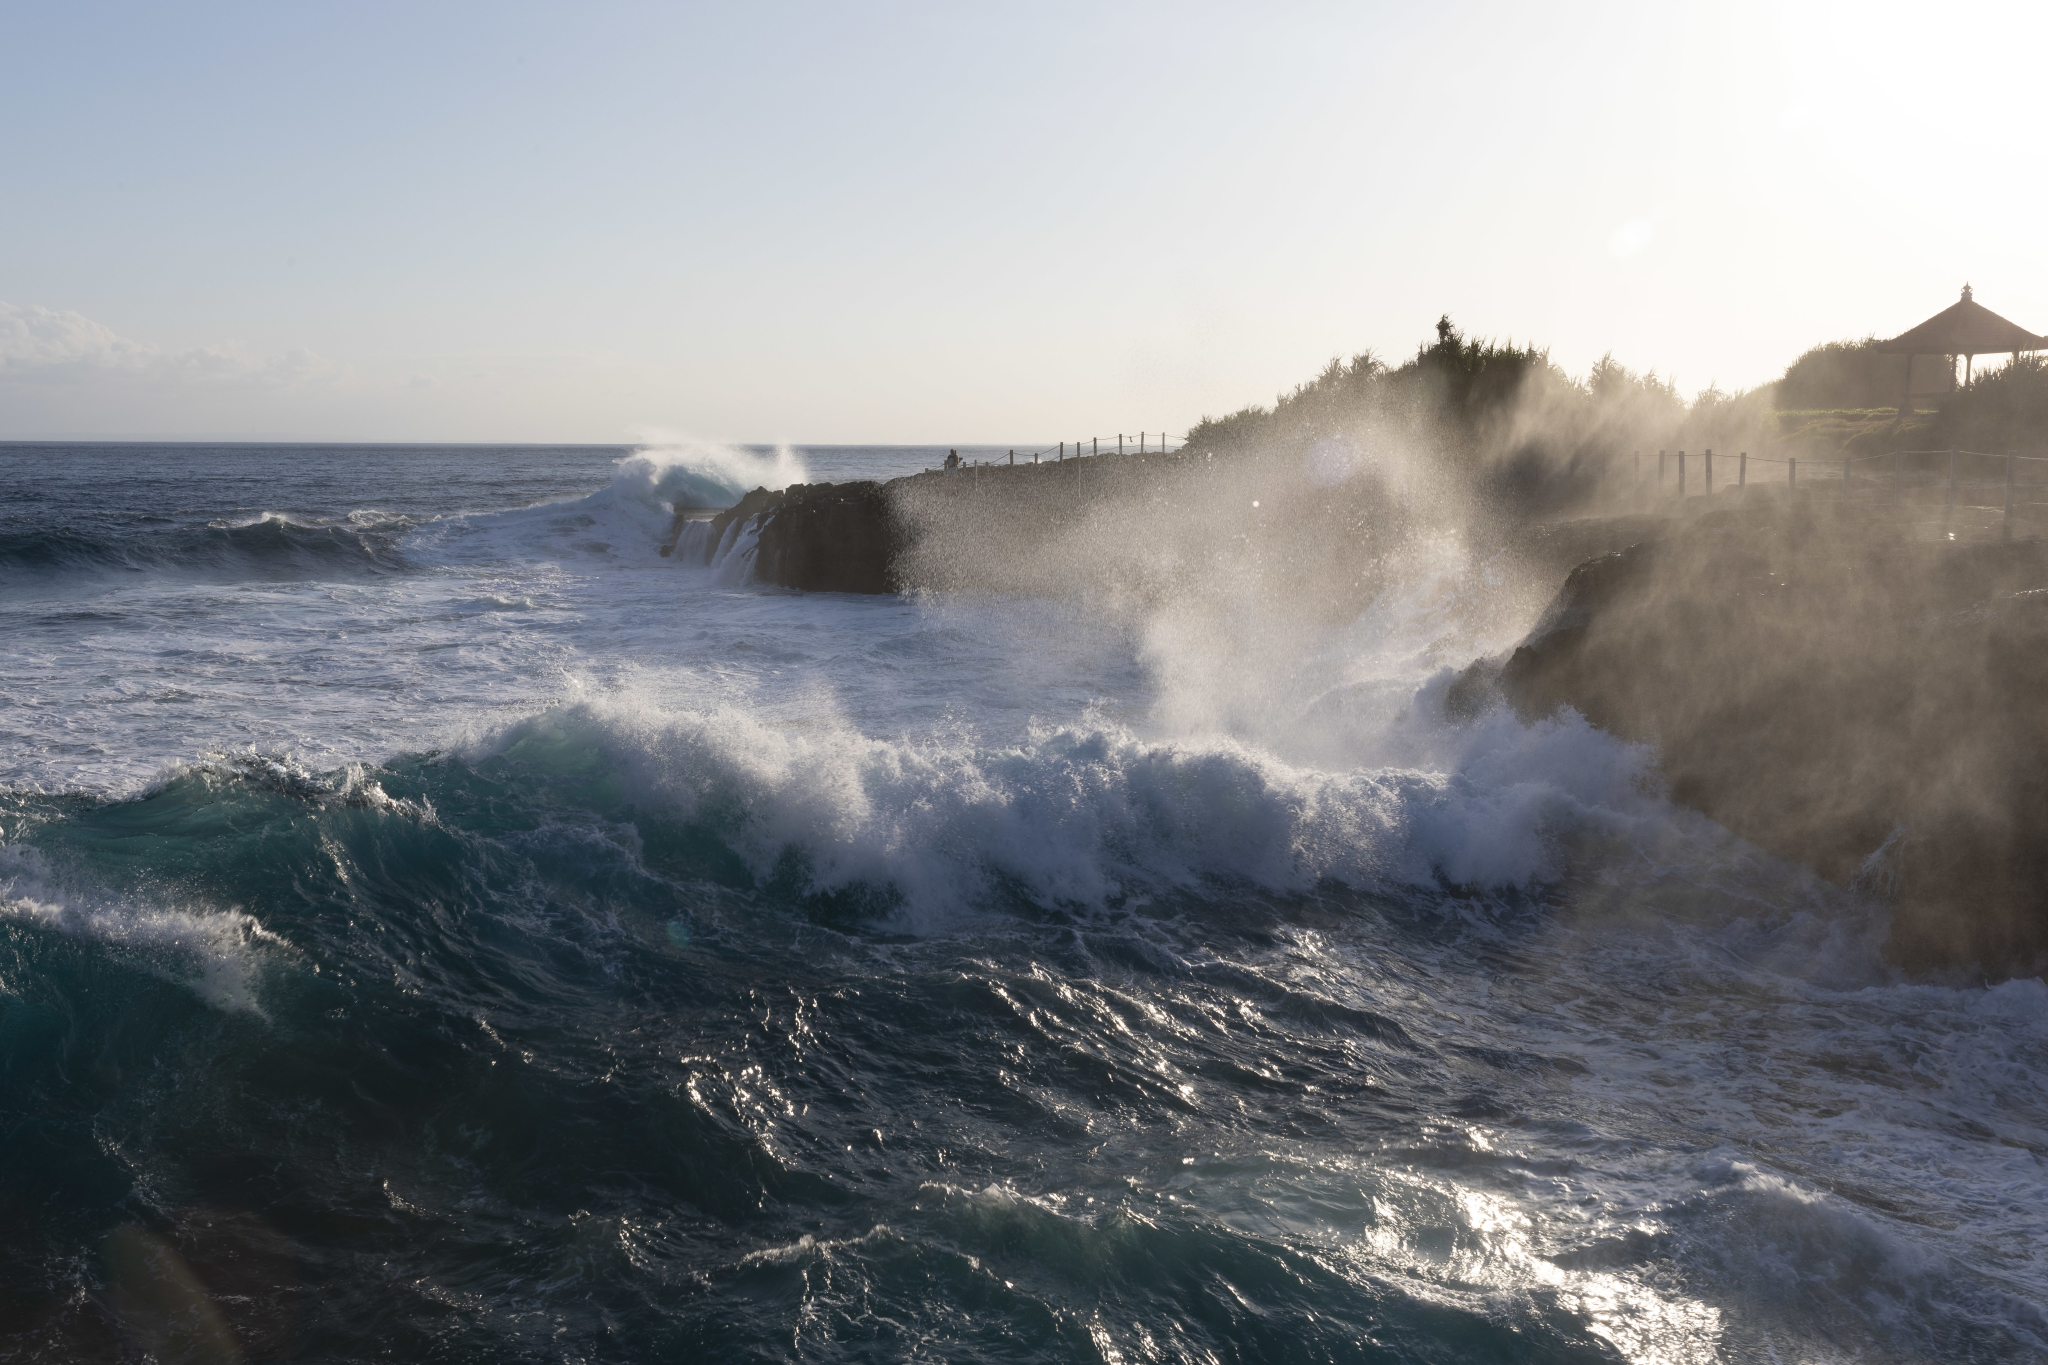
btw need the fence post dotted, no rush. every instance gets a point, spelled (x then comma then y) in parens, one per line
(1063, 450)
(1791, 475)
(1710, 471)
(1013, 457)
(1742, 470)
(1119, 443)
(2005, 531)
(1681, 476)
(1094, 445)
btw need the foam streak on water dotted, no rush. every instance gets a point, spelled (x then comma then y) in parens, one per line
(433, 924)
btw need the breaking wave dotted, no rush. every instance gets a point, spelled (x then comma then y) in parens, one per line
(269, 546)
(1086, 814)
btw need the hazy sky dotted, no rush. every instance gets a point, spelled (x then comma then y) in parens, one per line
(949, 222)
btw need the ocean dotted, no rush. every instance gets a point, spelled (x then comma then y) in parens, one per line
(434, 926)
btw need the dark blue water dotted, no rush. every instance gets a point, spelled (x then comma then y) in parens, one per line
(434, 927)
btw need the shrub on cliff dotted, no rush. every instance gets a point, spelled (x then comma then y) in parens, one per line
(2004, 410)
(1842, 375)
(1450, 391)
(1504, 419)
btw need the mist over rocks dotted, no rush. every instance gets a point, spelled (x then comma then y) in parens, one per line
(1136, 529)
(1839, 690)
(1825, 680)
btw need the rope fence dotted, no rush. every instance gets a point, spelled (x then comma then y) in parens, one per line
(1955, 474)
(1896, 473)
(1144, 443)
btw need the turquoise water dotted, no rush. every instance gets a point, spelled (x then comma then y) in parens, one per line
(433, 926)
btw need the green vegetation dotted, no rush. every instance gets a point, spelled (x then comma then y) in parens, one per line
(1508, 422)
(1843, 375)
(2003, 410)
(1503, 418)
(1859, 431)
(1845, 394)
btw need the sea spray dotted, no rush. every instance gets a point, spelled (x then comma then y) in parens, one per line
(686, 473)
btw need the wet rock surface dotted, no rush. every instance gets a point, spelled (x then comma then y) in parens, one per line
(820, 537)
(1841, 689)
(976, 527)
(830, 538)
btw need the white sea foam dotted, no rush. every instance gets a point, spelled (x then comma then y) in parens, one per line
(354, 785)
(1081, 812)
(217, 954)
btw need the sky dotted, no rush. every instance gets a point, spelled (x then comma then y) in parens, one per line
(847, 222)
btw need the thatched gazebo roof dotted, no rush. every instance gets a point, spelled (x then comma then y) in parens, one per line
(1967, 328)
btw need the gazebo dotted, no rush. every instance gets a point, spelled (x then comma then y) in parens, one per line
(1967, 329)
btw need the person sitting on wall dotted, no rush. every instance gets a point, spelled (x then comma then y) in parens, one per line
(952, 459)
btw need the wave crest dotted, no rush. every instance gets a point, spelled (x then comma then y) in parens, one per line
(217, 954)
(1082, 814)
(687, 473)
(272, 545)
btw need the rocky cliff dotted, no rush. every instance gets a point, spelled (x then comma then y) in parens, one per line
(1838, 686)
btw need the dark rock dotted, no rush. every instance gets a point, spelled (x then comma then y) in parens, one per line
(830, 538)
(819, 537)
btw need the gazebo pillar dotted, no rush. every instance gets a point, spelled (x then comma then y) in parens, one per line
(1964, 329)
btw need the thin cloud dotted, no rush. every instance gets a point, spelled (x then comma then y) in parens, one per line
(52, 346)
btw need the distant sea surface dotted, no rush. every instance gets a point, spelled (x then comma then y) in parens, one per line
(434, 926)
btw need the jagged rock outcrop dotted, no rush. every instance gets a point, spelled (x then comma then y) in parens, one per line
(975, 528)
(1123, 531)
(819, 537)
(830, 538)
(1839, 689)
